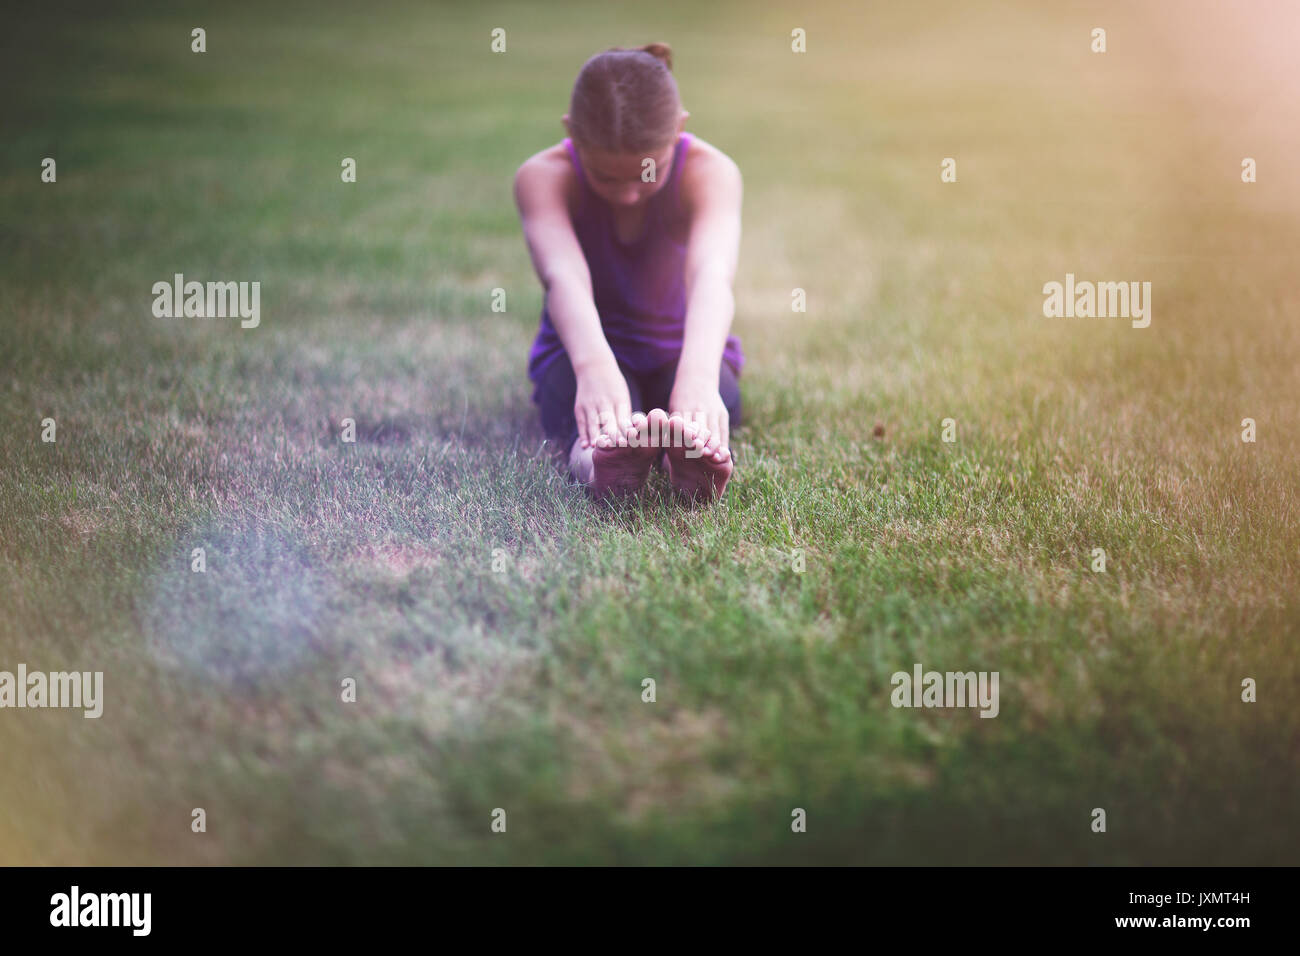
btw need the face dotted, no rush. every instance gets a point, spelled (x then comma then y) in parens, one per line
(616, 177)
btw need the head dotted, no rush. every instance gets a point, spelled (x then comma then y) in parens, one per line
(625, 108)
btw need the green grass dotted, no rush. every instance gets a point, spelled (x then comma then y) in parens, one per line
(521, 689)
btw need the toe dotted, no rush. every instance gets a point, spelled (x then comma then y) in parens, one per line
(657, 428)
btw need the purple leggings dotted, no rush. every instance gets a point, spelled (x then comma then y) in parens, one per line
(557, 388)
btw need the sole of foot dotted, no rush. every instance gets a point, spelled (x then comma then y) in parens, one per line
(698, 469)
(620, 469)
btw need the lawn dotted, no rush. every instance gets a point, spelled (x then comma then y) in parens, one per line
(497, 624)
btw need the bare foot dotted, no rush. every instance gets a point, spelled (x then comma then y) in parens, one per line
(697, 468)
(613, 469)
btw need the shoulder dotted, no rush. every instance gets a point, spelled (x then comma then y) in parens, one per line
(547, 175)
(709, 172)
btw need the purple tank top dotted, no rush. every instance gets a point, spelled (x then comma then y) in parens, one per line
(639, 287)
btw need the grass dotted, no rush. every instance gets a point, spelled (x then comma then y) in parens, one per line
(521, 688)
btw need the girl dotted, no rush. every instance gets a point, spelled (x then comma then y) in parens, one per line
(633, 227)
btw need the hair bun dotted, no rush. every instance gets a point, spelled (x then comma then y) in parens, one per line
(661, 51)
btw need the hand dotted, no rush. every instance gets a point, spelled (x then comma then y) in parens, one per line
(697, 400)
(603, 405)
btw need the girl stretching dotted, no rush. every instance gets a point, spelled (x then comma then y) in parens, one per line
(633, 227)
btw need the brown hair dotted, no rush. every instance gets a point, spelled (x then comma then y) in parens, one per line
(626, 101)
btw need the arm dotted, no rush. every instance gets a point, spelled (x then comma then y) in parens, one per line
(711, 255)
(602, 402)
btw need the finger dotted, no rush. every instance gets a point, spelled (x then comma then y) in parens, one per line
(715, 429)
(580, 414)
(711, 444)
(632, 433)
(681, 431)
(624, 412)
(607, 421)
(593, 425)
(686, 425)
